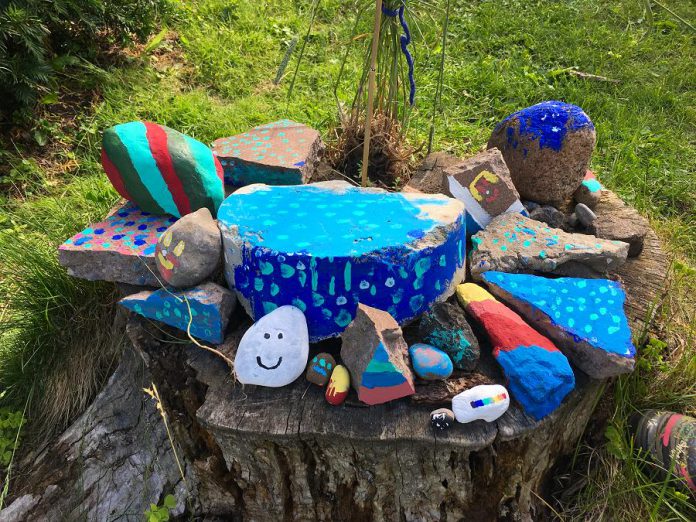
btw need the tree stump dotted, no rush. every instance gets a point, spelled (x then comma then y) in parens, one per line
(252, 453)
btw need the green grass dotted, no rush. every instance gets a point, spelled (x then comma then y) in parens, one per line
(213, 75)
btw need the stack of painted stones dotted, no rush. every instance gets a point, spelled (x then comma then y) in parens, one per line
(314, 261)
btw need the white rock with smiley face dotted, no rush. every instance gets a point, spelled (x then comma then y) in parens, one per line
(274, 351)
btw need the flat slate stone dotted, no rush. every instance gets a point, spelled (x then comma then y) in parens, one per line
(584, 318)
(617, 221)
(326, 247)
(121, 248)
(279, 153)
(514, 243)
(211, 306)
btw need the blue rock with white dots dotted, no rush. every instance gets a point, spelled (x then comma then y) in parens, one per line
(584, 317)
(328, 246)
(547, 148)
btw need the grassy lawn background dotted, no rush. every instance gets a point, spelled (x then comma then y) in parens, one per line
(210, 74)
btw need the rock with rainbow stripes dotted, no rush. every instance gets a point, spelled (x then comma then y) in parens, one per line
(484, 402)
(539, 375)
(161, 170)
(375, 353)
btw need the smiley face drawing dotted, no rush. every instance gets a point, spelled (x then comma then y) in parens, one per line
(274, 351)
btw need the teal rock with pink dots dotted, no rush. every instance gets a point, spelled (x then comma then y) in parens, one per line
(517, 244)
(326, 247)
(203, 311)
(120, 248)
(584, 317)
(283, 152)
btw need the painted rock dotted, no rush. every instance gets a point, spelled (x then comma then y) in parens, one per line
(162, 170)
(618, 222)
(274, 351)
(375, 353)
(514, 243)
(339, 385)
(327, 246)
(539, 375)
(210, 308)
(320, 368)
(442, 419)
(429, 363)
(430, 177)
(483, 183)
(486, 402)
(190, 250)
(121, 248)
(590, 190)
(280, 153)
(584, 317)
(547, 148)
(445, 327)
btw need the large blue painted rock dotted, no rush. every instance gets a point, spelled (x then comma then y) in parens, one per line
(547, 148)
(162, 170)
(584, 317)
(279, 153)
(210, 307)
(326, 247)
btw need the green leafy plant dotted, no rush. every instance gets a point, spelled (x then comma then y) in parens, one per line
(161, 513)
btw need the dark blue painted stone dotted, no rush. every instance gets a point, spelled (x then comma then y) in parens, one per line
(548, 122)
(325, 248)
(430, 363)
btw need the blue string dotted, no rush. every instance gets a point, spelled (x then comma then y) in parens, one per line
(405, 40)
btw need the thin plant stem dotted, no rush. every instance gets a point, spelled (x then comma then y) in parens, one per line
(371, 90)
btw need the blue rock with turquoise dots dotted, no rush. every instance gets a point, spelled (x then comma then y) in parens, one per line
(283, 152)
(547, 148)
(328, 246)
(210, 308)
(584, 317)
(445, 327)
(430, 363)
(514, 243)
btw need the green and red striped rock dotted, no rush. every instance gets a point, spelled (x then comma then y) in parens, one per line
(162, 170)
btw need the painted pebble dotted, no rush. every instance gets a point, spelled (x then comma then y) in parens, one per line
(162, 170)
(274, 351)
(442, 419)
(429, 362)
(320, 368)
(487, 402)
(339, 384)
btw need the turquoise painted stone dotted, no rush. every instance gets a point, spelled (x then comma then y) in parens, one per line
(279, 153)
(583, 317)
(326, 247)
(429, 363)
(210, 306)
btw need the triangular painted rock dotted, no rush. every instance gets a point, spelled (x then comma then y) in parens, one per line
(211, 306)
(584, 317)
(539, 375)
(279, 153)
(375, 353)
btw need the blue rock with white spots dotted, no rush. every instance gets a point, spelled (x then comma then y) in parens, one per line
(328, 246)
(203, 310)
(430, 363)
(547, 148)
(583, 317)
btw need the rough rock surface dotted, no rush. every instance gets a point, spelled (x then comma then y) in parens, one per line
(374, 351)
(483, 184)
(617, 221)
(590, 190)
(547, 148)
(549, 215)
(445, 327)
(210, 308)
(583, 317)
(283, 152)
(121, 248)
(538, 373)
(513, 243)
(328, 246)
(190, 250)
(162, 170)
(430, 177)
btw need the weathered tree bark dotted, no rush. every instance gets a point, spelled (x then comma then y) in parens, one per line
(285, 454)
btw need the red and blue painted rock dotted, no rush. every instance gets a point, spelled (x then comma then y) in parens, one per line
(430, 363)
(162, 170)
